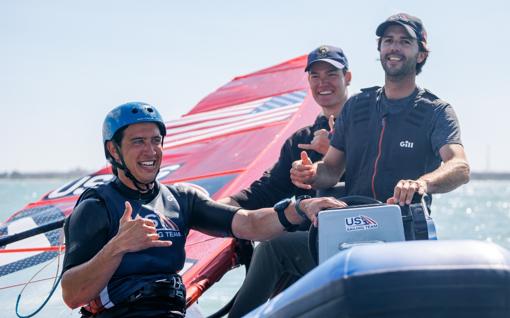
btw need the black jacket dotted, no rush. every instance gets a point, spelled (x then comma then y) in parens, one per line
(275, 184)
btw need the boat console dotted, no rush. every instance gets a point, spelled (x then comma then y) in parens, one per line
(339, 229)
(384, 261)
(367, 221)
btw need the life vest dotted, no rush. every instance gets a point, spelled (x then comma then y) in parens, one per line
(139, 268)
(382, 148)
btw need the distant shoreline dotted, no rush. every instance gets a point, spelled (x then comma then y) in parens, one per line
(15, 175)
(490, 175)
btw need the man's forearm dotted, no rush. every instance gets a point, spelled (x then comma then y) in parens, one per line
(84, 282)
(447, 177)
(262, 224)
(326, 176)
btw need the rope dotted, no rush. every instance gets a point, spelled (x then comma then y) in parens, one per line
(56, 282)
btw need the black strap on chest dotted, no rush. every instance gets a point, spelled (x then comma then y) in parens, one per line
(364, 100)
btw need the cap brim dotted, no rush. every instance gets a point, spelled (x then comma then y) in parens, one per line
(336, 64)
(382, 27)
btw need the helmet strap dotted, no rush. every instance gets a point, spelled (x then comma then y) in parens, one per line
(142, 187)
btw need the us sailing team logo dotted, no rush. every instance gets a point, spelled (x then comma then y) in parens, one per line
(166, 228)
(360, 223)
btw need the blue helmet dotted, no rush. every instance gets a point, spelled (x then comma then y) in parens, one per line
(128, 114)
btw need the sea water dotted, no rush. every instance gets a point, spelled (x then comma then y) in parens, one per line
(479, 210)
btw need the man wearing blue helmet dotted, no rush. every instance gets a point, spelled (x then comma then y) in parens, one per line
(117, 121)
(125, 239)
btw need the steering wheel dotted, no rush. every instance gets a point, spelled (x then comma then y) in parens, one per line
(350, 200)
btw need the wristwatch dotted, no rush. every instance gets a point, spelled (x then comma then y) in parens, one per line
(302, 213)
(280, 207)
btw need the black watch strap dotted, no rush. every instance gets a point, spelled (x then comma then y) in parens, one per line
(280, 211)
(302, 213)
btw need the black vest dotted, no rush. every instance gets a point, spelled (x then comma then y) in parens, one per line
(383, 148)
(138, 268)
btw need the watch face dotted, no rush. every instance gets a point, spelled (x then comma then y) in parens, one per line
(281, 205)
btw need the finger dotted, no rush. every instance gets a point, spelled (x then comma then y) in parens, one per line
(403, 193)
(391, 200)
(305, 159)
(396, 193)
(410, 195)
(150, 228)
(413, 188)
(302, 185)
(153, 236)
(298, 166)
(160, 243)
(335, 204)
(422, 189)
(148, 222)
(315, 219)
(301, 174)
(331, 122)
(305, 146)
(127, 213)
(321, 132)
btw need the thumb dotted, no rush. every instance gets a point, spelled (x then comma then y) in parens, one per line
(304, 158)
(127, 213)
(331, 122)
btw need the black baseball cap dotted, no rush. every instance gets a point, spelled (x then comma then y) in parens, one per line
(329, 54)
(412, 24)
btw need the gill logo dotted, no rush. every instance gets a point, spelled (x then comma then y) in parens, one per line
(406, 144)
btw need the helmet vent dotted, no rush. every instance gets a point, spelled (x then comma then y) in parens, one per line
(149, 109)
(134, 111)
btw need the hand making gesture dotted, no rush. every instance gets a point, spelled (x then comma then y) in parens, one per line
(320, 141)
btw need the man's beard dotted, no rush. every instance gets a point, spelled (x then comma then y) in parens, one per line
(407, 68)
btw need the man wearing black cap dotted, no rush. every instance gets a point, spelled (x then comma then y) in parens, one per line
(395, 141)
(328, 76)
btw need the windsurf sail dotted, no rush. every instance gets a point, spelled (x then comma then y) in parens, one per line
(219, 147)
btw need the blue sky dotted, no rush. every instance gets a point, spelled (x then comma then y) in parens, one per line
(65, 64)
